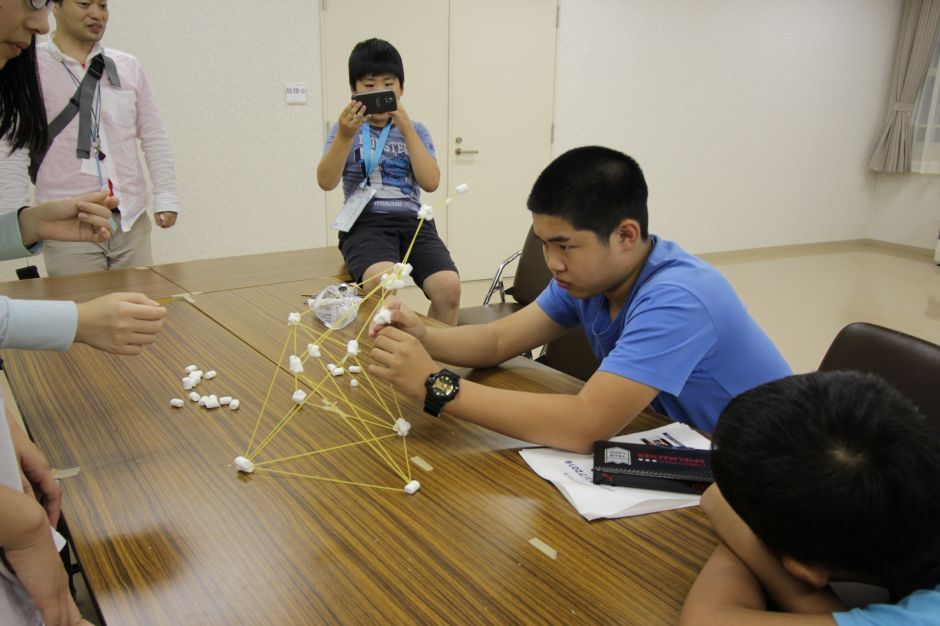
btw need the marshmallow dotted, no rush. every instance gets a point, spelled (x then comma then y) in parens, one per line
(244, 465)
(188, 383)
(352, 348)
(202, 400)
(191, 368)
(354, 383)
(402, 427)
(462, 188)
(354, 369)
(330, 367)
(234, 404)
(212, 402)
(225, 400)
(384, 316)
(196, 375)
(211, 374)
(311, 302)
(176, 402)
(403, 269)
(313, 350)
(194, 396)
(293, 319)
(410, 488)
(299, 396)
(426, 212)
(337, 371)
(296, 366)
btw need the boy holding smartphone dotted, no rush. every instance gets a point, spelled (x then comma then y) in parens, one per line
(384, 160)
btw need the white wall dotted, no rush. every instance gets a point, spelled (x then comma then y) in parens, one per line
(906, 209)
(753, 120)
(245, 160)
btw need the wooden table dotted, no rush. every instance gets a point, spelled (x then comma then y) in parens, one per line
(169, 533)
(255, 269)
(81, 287)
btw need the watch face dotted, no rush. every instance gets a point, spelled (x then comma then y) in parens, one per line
(442, 386)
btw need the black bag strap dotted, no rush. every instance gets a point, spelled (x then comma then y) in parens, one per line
(80, 102)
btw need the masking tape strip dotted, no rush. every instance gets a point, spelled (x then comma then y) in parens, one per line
(544, 548)
(65, 473)
(417, 460)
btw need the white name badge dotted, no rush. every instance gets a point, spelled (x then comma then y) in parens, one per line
(353, 208)
(90, 167)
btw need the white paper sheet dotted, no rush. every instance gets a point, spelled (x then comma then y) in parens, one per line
(571, 473)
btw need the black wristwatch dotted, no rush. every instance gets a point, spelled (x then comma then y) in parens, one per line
(441, 389)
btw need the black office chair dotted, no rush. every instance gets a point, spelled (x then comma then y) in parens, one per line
(571, 353)
(912, 365)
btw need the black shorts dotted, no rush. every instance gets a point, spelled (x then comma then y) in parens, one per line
(378, 237)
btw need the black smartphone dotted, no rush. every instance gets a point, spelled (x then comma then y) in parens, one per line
(383, 101)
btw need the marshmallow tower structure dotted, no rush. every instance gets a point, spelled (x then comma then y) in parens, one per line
(321, 386)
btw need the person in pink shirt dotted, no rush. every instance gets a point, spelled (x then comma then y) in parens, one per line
(97, 148)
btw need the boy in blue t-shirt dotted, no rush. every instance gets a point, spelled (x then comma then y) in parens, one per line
(384, 160)
(819, 477)
(668, 328)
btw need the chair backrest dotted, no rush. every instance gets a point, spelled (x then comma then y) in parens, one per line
(571, 353)
(912, 365)
(532, 275)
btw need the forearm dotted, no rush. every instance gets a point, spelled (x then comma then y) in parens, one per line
(330, 168)
(474, 345)
(425, 168)
(788, 592)
(22, 520)
(14, 244)
(37, 324)
(561, 421)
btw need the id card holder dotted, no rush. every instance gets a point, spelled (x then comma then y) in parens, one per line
(353, 208)
(90, 167)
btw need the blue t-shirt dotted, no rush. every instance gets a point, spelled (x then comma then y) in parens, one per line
(396, 190)
(921, 608)
(682, 330)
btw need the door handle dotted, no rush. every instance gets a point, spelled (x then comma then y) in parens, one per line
(459, 151)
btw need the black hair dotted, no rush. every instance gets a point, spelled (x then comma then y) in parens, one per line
(22, 112)
(593, 188)
(835, 469)
(374, 57)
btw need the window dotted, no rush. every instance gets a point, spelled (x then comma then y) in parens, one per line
(925, 157)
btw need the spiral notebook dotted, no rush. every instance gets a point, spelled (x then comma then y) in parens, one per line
(680, 470)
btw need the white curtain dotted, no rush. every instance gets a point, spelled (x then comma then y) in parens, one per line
(925, 151)
(920, 24)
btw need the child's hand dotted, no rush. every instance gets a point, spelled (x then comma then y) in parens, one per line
(352, 117)
(400, 118)
(401, 361)
(403, 318)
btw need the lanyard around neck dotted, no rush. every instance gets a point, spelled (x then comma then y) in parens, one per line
(371, 158)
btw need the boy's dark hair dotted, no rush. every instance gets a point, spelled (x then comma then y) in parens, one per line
(593, 188)
(374, 57)
(836, 469)
(22, 112)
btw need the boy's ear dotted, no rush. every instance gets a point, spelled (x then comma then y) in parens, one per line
(627, 232)
(817, 576)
